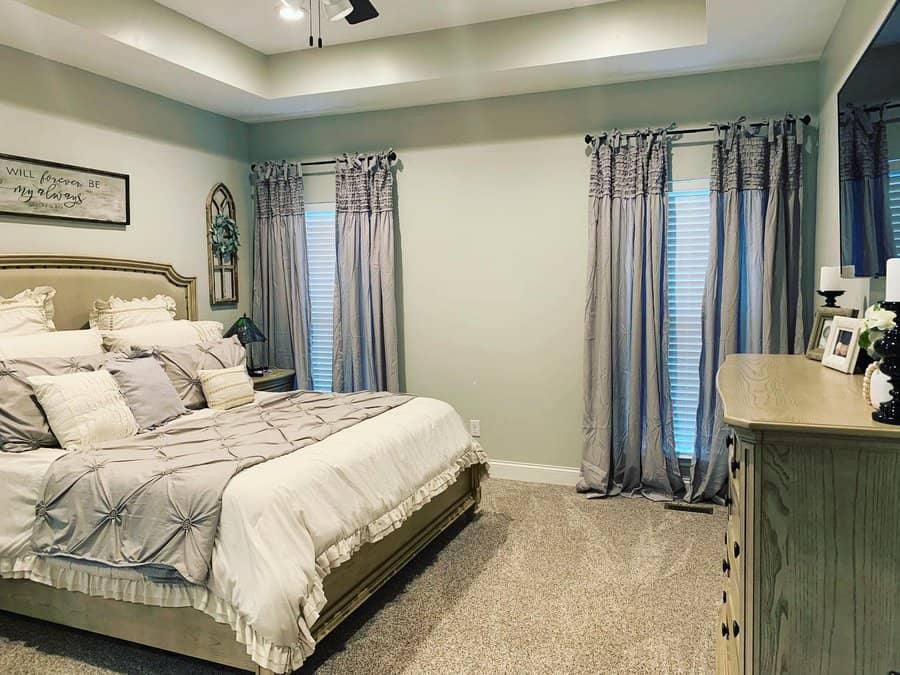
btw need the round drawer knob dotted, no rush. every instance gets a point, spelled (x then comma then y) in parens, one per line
(737, 549)
(735, 628)
(728, 500)
(735, 465)
(729, 441)
(726, 567)
(724, 597)
(724, 630)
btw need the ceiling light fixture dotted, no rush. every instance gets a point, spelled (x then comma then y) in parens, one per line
(337, 9)
(290, 12)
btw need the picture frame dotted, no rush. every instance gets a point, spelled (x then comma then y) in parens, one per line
(842, 346)
(37, 188)
(821, 329)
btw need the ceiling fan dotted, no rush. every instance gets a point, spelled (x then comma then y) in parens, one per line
(352, 11)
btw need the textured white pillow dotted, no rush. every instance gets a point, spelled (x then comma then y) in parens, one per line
(116, 313)
(84, 408)
(162, 334)
(227, 387)
(28, 312)
(61, 343)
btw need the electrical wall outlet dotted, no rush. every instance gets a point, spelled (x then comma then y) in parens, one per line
(475, 428)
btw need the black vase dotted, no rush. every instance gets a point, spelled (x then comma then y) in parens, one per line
(888, 348)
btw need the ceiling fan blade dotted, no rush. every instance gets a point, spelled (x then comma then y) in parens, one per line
(363, 10)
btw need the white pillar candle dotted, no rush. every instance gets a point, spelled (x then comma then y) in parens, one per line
(892, 283)
(830, 279)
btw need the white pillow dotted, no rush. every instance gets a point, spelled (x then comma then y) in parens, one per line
(84, 408)
(162, 334)
(116, 313)
(226, 388)
(63, 343)
(28, 312)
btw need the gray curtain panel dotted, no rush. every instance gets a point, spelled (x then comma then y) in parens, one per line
(365, 306)
(753, 298)
(280, 277)
(867, 240)
(629, 445)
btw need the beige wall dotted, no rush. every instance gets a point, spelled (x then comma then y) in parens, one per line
(173, 153)
(858, 24)
(492, 224)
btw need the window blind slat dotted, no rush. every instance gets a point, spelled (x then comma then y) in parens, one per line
(320, 262)
(687, 253)
(894, 199)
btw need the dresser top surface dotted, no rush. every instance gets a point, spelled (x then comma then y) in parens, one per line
(793, 393)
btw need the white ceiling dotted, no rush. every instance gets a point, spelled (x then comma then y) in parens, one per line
(220, 62)
(256, 24)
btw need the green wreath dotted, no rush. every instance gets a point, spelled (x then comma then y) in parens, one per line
(224, 236)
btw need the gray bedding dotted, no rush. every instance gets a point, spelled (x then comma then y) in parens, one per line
(153, 501)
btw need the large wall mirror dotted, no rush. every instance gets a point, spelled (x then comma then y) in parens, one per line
(869, 142)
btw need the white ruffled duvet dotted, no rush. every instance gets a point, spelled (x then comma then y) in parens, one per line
(285, 525)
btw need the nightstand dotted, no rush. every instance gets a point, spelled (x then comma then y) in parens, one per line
(275, 379)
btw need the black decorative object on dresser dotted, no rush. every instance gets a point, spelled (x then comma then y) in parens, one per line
(888, 348)
(830, 297)
(274, 379)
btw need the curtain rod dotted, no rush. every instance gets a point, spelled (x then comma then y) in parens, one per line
(806, 119)
(325, 162)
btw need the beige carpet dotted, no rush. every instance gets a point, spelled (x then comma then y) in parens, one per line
(544, 581)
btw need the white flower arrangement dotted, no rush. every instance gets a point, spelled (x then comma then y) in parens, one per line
(874, 324)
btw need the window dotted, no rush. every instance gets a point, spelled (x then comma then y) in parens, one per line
(321, 255)
(894, 198)
(687, 251)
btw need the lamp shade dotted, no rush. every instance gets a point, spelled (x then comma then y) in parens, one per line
(246, 331)
(337, 9)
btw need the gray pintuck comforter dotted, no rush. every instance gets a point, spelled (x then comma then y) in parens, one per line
(153, 501)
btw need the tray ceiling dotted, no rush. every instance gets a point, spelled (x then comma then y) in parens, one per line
(229, 56)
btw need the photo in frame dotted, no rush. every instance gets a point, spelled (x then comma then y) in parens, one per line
(842, 345)
(818, 338)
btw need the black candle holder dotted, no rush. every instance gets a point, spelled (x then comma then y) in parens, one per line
(830, 297)
(888, 348)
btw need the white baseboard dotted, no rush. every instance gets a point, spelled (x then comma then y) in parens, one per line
(534, 473)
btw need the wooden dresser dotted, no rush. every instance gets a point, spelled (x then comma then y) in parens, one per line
(811, 560)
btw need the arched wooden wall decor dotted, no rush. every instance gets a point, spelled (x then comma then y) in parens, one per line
(223, 271)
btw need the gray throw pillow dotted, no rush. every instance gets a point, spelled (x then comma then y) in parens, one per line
(147, 390)
(183, 365)
(23, 425)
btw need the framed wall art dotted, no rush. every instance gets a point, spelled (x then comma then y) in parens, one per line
(41, 189)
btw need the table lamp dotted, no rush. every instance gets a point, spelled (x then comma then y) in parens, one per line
(247, 333)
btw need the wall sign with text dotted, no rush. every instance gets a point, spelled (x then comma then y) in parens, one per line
(31, 187)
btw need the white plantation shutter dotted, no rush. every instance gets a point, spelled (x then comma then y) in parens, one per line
(687, 243)
(894, 199)
(320, 243)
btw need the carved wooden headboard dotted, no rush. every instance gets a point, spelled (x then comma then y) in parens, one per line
(79, 280)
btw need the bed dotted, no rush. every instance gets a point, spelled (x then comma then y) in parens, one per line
(238, 619)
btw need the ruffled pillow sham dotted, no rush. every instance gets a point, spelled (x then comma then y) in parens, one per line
(118, 314)
(28, 312)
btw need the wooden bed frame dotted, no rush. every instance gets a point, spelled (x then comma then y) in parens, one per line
(185, 630)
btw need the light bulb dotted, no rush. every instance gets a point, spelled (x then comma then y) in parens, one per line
(289, 12)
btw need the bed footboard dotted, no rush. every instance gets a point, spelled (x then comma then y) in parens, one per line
(190, 632)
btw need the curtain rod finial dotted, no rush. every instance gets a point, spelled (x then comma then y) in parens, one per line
(588, 139)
